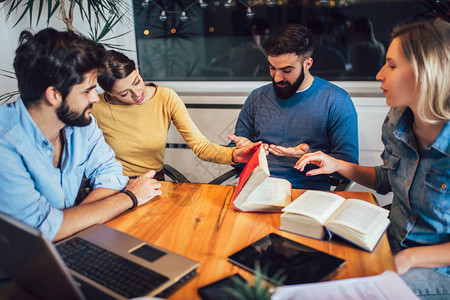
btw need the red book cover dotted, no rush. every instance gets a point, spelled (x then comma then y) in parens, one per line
(245, 174)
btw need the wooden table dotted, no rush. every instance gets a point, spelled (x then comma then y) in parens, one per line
(199, 222)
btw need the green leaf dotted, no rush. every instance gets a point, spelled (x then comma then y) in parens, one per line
(116, 36)
(99, 34)
(41, 4)
(30, 7)
(12, 7)
(259, 289)
(23, 14)
(51, 10)
(94, 11)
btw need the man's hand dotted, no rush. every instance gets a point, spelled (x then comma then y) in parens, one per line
(145, 187)
(297, 151)
(240, 140)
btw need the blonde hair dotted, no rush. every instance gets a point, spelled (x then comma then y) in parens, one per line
(426, 45)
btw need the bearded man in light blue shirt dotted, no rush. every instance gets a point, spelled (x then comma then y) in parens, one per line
(49, 140)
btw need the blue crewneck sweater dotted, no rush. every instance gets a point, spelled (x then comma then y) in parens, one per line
(322, 116)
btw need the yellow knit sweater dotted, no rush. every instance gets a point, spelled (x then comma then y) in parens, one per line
(138, 133)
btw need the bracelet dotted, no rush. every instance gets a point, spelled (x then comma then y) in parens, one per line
(132, 196)
(232, 160)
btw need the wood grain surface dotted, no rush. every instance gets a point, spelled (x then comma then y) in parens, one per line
(199, 222)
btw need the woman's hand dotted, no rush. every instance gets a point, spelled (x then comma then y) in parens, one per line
(326, 163)
(243, 154)
(297, 151)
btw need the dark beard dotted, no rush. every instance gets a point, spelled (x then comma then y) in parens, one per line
(290, 90)
(71, 118)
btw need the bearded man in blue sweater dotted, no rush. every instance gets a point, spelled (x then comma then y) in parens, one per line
(297, 113)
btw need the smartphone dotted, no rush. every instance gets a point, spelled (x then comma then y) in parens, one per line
(216, 290)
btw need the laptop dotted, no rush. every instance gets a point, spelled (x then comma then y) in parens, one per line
(97, 263)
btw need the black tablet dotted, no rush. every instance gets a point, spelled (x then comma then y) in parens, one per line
(300, 263)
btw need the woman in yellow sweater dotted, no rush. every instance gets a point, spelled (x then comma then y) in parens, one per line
(135, 118)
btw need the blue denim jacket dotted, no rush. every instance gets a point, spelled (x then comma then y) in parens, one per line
(420, 213)
(32, 190)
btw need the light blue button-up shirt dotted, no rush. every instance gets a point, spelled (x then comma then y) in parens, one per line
(420, 212)
(32, 190)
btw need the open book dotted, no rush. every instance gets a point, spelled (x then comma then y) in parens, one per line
(256, 191)
(318, 214)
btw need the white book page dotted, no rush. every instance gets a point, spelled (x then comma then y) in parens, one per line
(263, 163)
(315, 204)
(258, 175)
(257, 178)
(360, 215)
(272, 191)
(386, 286)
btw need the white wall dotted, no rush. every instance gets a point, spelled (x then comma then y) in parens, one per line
(9, 36)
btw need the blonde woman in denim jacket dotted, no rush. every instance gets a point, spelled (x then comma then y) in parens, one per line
(416, 158)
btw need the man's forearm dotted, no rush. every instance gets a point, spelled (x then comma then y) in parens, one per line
(96, 212)
(98, 194)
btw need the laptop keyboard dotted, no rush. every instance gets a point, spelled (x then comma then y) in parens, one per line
(109, 269)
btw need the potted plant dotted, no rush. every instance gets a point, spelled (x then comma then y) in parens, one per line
(101, 15)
